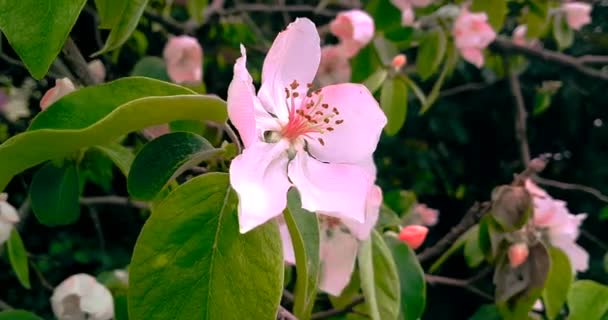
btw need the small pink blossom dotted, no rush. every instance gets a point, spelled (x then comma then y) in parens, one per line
(62, 87)
(354, 28)
(413, 235)
(578, 14)
(297, 136)
(407, 9)
(472, 34)
(334, 67)
(552, 217)
(8, 218)
(399, 61)
(97, 70)
(339, 243)
(519, 35)
(424, 215)
(184, 58)
(81, 297)
(518, 254)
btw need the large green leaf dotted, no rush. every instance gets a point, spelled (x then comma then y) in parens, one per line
(304, 231)
(563, 34)
(17, 256)
(587, 300)
(125, 25)
(37, 29)
(486, 312)
(31, 148)
(191, 262)
(411, 278)
(495, 9)
(119, 154)
(558, 283)
(153, 67)
(473, 254)
(55, 194)
(18, 315)
(379, 278)
(165, 158)
(110, 12)
(393, 100)
(431, 52)
(375, 81)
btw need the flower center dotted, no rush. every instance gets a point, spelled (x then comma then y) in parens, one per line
(308, 115)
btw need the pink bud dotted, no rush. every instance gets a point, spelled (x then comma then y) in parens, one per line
(519, 35)
(413, 235)
(184, 58)
(578, 14)
(61, 88)
(97, 70)
(354, 28)
(518, 253)
(399, 61)
(472, 34)
(334, 67)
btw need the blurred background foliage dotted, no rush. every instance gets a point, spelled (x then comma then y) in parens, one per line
(450, 157)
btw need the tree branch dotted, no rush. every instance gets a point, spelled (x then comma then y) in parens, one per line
(336, 312)
(571, 186)
(76, 63)
(521, 115)
(465, 284)
(259, 7)
(284, 314)
(561, 59)
(113, 200)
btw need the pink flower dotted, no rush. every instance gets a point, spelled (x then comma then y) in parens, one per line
(407, 9)
(424, 215)
(81, 297)
(339, 243)
(518, 254)
(472, 34)
(294, 135)
(561, 227)
(519, 35)
(8, 218)
(184, 58)
(61, 88)
(354, 28)
(334, 67)
(578, 14)
(413, 235)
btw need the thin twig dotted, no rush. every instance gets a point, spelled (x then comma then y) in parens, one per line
(235, 139)
(571, 186)
(591, 59)
(288, 296)
(336, 312)
(169, 24)
(258, 7)
(5, 306)
(473, 215)
(284, 314)
(45, 283)
(463, 88)
(594, 239)
(507, 46)
(465, 284)
(113, 200)
(521, 115)
(97, 224)
(76, 63)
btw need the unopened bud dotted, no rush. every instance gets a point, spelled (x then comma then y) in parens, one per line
(61, 88)
(413, 235)
(511, 207)
(538, 164)
(399, 61)
(518, 254)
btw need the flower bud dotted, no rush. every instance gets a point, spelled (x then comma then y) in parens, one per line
(184, 58)
(518, 253)
(511, 206)
(399, 61)
(61, 88)
(578, 14)
(413, 235)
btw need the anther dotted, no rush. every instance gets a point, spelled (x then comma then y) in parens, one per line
(319, 113)
(321, 141)
(330, 129)
(326, 120)
(339, 121)
(325, 105)
(335, 110)
(294, 85)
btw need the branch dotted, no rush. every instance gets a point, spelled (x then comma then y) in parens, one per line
(561, 59)
(336, 312)
(113, 200)
(571, 186)
(258, 7)
(465, 284)
(521, 114)
(473, 215)
(169, 24)
(463, 88)
(283, 314)
(76, 63)
(591, 59)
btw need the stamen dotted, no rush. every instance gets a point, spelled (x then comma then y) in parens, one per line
(339, 121)
(321, 141)
(294, 85)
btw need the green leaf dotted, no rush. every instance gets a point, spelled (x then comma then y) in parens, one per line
(536, 18)
(17, 256)
(191, 262)
(393, 100)
(37, 30)
(459, 243)
(379, 278)
(563, 34)
(125, 25)
(450, 62)
(385, 49)
(587, 300)
(558, 283)
(431, 52)
(411, 279)
(386, 15)
(152, 67)
(99, 127)
(415, 89)
(110, 11)
(542, 102)
(119, 154)
(163, 159)
(196, 9)
(473, 254)
(304, 231)
(55, 194)
(375, 81)
(18, 315)
(486, 312)
(495, 9)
